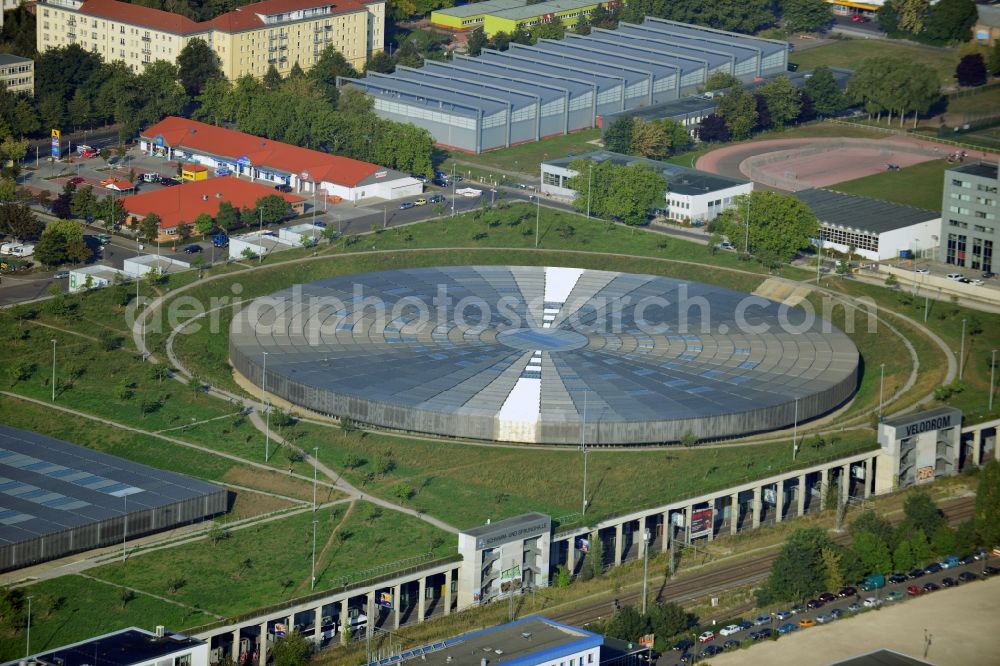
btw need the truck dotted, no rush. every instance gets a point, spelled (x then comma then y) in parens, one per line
(873, 582)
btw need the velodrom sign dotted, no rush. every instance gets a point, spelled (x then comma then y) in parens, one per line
(936, 423)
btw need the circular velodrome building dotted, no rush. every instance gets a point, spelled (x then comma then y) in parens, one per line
(543, 355)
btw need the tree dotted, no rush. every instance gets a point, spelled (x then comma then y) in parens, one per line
(292, 649)
(272, 79)
(797, 572)
(719, 80)
(833, 576)
(902, 557)
(782, 98)
(149, 228)
(204, 224)
(987, 511)
(582, 25)
(328, 67)
(18, 221)
(670, 619)
(971, 70)
(805, 15)
(627, 625)
(82, 202)
(380, 63)
(739, 109)
(61, 241)
(552, 29)
(993, 60)
(713, 129)
(626, 193)
(197, 64)
(273, 208)
(874, 553)
(678, 136)
(943, 541)
(950, 21)
(618, 136)
(13, 150)
(477, 41)
(228, 217)
(912, 14)
(779, 225)
(822, 88)
(922, 513)
(873, 523)
(649, 140)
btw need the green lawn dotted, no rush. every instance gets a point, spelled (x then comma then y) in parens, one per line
(985, 101)
(73, 608)
(920, 185)
(849, 52)
(526, 157)
(271, 562)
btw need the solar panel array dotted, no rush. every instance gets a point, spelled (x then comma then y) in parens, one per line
(514, 353)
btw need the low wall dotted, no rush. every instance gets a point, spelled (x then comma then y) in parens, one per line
(942, 285)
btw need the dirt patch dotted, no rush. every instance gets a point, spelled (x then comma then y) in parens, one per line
(278, 483)
(960, 623)
(249, 504)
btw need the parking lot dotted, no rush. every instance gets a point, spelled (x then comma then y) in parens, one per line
(960, 622)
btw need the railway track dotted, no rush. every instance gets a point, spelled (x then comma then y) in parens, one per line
(703, 584)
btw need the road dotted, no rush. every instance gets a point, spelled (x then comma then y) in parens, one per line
(747, 570)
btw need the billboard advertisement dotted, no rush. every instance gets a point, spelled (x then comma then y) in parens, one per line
(701, 522)
(56, 151)
(384, 599)
(770, 496)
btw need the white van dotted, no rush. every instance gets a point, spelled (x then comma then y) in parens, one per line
(7, 248)
(25, 250)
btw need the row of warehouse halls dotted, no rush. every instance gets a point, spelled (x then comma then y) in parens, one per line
(555, 87)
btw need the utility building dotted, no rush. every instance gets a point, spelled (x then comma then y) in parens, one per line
(560, 86)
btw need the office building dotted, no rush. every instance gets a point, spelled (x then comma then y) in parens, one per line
(969, 212)
(17, 74)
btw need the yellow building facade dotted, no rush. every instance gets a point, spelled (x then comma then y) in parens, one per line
(247, 40)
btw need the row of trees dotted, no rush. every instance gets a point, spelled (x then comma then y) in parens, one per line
(777, 226)
(654, 139)
(810, 562)
(944, 22)
(617, 192)
(893, 85)
(746, 16)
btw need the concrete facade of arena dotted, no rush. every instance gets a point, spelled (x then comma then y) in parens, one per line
(127, 647)
(247, 40)
(308, 172)
(17, 74)
(971, 207)
(556, 87)
(877, 229)
(59, 498)
(691, 195)
(439, 587)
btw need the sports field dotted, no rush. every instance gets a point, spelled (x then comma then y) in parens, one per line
(849, 52)
(919, 185)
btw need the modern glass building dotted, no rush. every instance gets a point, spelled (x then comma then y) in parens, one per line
(969, 216)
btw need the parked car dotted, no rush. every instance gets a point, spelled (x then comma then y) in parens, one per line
(762, 620)
(814, 603)
(976, 283)
(76, 180)
(223, 171)
(895, 595)
(726, 245)
(406, 205)
(787, 628)
(846, 592)
(436, 198)
(915, 573)
(967, 577)
(744, 624)
(731, 644)
(931, 587)
(220, 240)
(922, 271)
(60, 275)
(969, 559)
(761, 634)
(782, 614)
(151, 177)
(824, 618)
(807, 622)
(729, 630)
(420, 202)
(872, 602)
(683, 645)
(990, 571)
(797, 608)
(706, 636)
(827, 597)
(836, 613)
(932, 568)
(283, 187)
(954, 276)
(711, 651)
(192, 249)
(169, 182)
(914, 590)
(897, 578)
(988, 274)
(854, 607)
(950, 562)
(948, 581)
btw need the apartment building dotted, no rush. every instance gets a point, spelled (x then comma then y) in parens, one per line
(17, 74)
(970, 215)
(247, 40)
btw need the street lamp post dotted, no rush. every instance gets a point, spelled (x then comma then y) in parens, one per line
(124, 527)
(961, 355)
(453, 189)
(27, 642)
(590, 178)
(583, 447)
(914, 266)
(313, 586)
(645, 569)
(746, 244)
(53, 370)
(993, 374)
(538, 214)
(795, 431)
(267, 412)
(881, 389)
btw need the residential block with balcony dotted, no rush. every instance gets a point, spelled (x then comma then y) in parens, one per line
(247, 40)
(17, 74)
